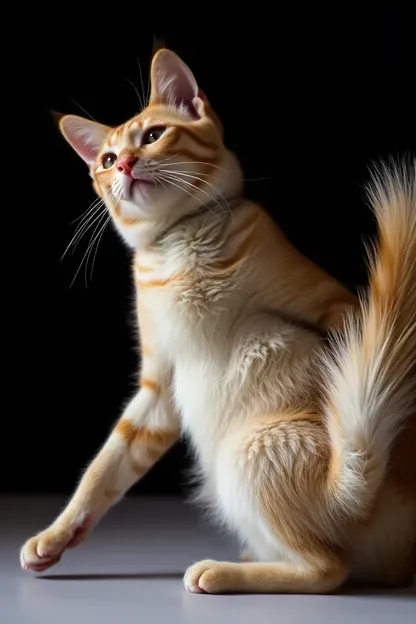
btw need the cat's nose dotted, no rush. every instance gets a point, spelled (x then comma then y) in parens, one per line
(126, 163)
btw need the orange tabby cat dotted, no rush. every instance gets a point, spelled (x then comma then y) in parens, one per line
(299, 448)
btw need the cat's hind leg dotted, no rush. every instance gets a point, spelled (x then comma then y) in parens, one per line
(271, 486)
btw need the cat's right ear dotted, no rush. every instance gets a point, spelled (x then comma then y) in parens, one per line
(86, 137)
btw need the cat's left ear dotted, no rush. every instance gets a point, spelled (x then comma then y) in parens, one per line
(86, 137)
(173, 84)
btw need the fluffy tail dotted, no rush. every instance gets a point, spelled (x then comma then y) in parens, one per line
(371, 383)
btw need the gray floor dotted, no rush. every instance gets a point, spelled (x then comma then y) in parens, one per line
(130, 570)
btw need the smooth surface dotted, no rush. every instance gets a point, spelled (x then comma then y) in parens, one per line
(130, 570)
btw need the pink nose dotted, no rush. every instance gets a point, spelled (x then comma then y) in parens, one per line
(126, 163)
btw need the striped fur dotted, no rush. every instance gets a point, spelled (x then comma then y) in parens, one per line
(304, 451)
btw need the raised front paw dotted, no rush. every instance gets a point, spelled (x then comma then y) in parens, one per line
(45, 549)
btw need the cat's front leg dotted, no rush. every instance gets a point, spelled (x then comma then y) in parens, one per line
(146, 430)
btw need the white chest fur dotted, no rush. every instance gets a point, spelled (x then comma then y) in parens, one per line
(192, 312)
(225, 355)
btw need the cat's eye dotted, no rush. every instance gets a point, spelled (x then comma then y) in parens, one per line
(153, 135)
(108, 160)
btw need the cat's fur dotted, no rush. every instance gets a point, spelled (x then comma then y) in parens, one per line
(306, 453)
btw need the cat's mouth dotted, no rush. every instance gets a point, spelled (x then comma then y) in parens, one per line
(137, 183)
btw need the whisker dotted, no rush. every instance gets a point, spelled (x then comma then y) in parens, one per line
(159, 180)
(90, 247)
(162, 183)
(82, 108)
(195, 177)
(257, 179)
(161, 161)
(148, 87)
(141, 81)
(169, 181)
(94, 217)
(82, 229)
(198, 190)
(180, 171)
(141, 106)
(97, 245)
(85, 254)
(200, 204)
(96, 200)
(88, 216)
(197, 162)
(115, 190)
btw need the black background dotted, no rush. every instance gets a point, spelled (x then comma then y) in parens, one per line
(309, 98)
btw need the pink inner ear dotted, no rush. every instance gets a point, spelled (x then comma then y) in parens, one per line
(85, 136)
(173, 81)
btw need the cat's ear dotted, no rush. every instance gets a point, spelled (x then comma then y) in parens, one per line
(173, 83)
(86, 137)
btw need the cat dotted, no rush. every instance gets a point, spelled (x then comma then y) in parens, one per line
(296, 396)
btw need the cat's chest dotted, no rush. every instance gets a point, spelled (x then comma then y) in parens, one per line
(183, 293)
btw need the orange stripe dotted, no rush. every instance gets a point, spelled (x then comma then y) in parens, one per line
(124, 220)
(245, 224)
(118, 132)
(144, 435)
(126, 429)
(238, 257)
(144, 269)
(149, 438)
(149, 384)
(157, 283)
(133, 121)
(199, 140)
(128, 220)
(152, 283)
(184, 152)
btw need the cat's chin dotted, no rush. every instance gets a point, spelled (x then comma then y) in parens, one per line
(140, 189)
(135, 208)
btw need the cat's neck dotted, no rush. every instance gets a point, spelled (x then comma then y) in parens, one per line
(216, 212)
(148, 234)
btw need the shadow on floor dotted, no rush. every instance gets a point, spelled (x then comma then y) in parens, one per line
(408, 592)
(112, 577)
(349, 590)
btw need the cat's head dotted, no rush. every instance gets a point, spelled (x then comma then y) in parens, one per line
(164, 163)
